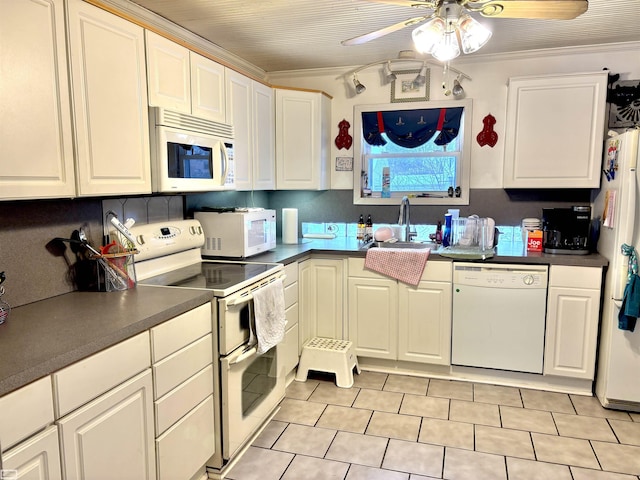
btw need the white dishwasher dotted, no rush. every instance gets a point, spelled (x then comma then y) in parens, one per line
(499, 316)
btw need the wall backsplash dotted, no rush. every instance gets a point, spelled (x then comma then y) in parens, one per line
(34, 273)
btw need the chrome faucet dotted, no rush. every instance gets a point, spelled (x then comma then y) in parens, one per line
(404, 219)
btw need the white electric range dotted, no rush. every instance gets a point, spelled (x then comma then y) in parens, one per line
(247, 387)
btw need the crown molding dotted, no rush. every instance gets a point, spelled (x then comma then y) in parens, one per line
(151, 21)
(633, 47)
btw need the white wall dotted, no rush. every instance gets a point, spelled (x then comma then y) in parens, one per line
(488, 90)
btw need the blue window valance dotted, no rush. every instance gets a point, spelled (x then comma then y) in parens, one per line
(412, 128)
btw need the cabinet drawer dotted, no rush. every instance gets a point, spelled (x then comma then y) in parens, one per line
(25, 411)
(290, 294)
(292, 315)
(187, 446)
(434, 271)
(88, 378)
(180, 331)
(175, 404)
(575, 277)
(291, 271)
(179, 366)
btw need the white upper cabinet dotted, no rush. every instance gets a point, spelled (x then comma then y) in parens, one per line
(302, 140)
(168, 74)
(250, 109)
(183, 81)
(36, 160)
(109, 89)
(555, 131)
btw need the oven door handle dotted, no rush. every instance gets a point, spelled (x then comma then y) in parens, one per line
(247, 353)
(248, 297)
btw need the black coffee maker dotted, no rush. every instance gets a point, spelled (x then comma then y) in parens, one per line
(566, 230)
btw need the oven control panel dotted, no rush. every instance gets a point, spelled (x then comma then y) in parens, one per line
(159, 239)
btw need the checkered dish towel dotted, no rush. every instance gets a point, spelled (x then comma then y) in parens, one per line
(402, 264)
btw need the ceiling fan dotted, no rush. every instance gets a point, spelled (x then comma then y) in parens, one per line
(451, 16)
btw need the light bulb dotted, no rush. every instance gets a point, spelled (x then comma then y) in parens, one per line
(428, 36)
(359, 87)
(448, 49)
(473, 34)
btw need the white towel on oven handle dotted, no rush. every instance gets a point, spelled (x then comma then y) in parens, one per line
(268, 309)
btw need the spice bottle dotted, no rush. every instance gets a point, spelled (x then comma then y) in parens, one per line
(368, 232)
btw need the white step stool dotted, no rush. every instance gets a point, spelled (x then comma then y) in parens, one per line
(331, 356)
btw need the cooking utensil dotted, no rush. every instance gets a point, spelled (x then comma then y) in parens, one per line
(119, 278)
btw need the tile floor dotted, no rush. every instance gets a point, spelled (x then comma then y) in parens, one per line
(394, 427)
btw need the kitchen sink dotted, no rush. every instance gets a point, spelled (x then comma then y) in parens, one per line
(412, 245)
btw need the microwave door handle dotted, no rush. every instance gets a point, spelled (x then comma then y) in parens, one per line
(223, 164)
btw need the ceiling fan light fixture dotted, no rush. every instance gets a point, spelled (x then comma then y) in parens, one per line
(359, 87)
(448, 49)
(427, 37)
(473, 34)
(389, 76)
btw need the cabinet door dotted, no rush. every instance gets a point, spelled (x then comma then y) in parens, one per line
(207, 88)
(538, 154)
(112, 436)
(302, 140)
(37, 146)
(239, 112)
(37, 458)
(109, 102)
(168, 73)
(321, 283)
(373, 317)
(263, 127)
(572, 332)
(424, 323)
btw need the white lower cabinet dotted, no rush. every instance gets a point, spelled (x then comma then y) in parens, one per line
(290, 350)
(182, 355)
(112, 436)
(391, 320)
(321, 287)
(29, 439)
(37, 458)
(573, 306)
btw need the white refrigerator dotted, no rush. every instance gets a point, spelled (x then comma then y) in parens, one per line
(618, 372)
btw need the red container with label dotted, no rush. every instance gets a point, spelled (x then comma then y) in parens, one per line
(534, 241)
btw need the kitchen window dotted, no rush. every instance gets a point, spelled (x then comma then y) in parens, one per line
(420, 150)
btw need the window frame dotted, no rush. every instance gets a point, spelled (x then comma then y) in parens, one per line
(465, 156)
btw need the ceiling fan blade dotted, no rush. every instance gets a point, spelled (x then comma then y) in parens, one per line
(542, 9)
(367, 37)
(433, 4)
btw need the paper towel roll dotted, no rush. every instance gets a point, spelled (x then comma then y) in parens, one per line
(289, 225)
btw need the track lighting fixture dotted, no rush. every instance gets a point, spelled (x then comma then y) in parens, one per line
(457, 89)
(421, 78)
(405, 58)
(359, 87)
(389, 76)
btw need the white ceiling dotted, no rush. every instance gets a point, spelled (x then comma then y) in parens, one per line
(277, 35)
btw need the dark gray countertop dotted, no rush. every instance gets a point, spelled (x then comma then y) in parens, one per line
(48, 335)
(346, 246)
(45, 336)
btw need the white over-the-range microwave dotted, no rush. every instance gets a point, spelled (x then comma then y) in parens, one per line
(189, 154)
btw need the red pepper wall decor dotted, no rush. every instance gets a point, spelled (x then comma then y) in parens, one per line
(488, 136)
(344, 140)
